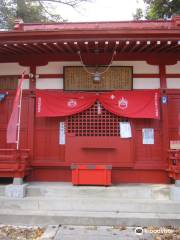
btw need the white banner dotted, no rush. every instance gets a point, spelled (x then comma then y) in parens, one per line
(62, 133)
(125, 129)
(148, 135)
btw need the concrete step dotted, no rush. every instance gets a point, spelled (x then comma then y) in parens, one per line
(66, 190)
(2, 190)
(60, 203)
(29, 217)
(90, 204)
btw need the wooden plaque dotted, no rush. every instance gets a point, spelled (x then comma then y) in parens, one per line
(115, 78)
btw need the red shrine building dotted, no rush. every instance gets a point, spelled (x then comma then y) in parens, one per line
(98, 97)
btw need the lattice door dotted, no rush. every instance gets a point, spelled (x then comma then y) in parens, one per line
(93, 137)
(95, 121)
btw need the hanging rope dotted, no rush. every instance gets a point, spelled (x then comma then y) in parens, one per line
(100, 73)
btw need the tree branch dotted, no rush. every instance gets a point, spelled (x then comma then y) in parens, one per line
(49, 13)
(71, 3)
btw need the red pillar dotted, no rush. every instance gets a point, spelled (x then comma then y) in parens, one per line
(32, 84)
(164, 117)
(31, 117)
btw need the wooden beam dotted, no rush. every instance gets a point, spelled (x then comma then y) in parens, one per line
(152, 58)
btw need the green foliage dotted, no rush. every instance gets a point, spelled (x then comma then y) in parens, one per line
(31, 11)
(161, 9)
(7, 13)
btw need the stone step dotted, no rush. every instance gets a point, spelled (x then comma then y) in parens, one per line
(59, 203)
(151, 191)
(29, 217)
(90, 204)
(2, 190)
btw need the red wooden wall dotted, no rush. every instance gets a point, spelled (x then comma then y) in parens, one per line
(173, 113)
(49, 159)
(5, 112)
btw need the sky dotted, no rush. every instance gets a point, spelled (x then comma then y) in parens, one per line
(102, 10)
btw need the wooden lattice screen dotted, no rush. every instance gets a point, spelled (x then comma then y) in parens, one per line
(95, 121)
(8, 82)
(116, 78)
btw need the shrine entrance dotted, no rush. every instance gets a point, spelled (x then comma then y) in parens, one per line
(93, 136)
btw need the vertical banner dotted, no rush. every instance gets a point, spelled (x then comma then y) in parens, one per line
(13, 128)
(62, 135)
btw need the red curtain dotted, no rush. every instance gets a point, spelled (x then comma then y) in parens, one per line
(53, 104)
(131, 104)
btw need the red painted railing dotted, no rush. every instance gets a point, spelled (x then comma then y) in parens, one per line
(14, 162)
(174, 164)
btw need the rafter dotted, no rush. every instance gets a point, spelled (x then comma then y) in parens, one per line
(150, 48)
(174, 47)
(127, 46)
(67, 47)
(165, 46)
(106, 46)
(76, 45)
(135, 47)
(86, 44)
(13, 49)
(57, 47)
(145, 46)
(40, 47)
(32, 48)
(5, 51)
(49, 47)
(157, 45)
(23, 48)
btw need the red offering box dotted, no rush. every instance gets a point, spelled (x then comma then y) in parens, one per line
(91, 175)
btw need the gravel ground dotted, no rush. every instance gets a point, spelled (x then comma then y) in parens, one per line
(116, 233)
(65, 232)
(8, 232)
